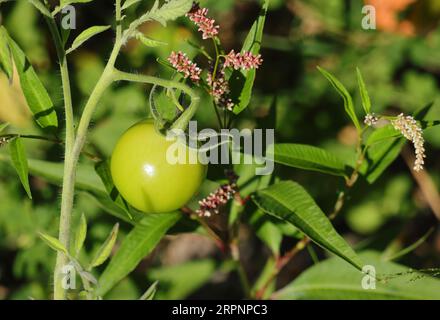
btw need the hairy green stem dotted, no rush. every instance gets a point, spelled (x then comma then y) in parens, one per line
(65, 216)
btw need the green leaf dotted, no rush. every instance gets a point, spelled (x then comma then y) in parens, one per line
(379, 157)
(53, 243)
(148, 41)
(307, 157)
(179, 281)
(36, 95)
(64, 3)
(20, 163)
(129, 3)
(102, 168)
(241, 81)
(80, 235)
(86, 35)
(366, 103)
(348, 101)
(381, 134)
(41, 7)
(3, 126)
(289, 201)
(5, 54)
(139, 243)
(333, 280)
(106, 248)
(171, 10)
(150, 293)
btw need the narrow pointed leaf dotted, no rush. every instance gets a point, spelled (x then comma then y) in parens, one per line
(348, 101)
(242, 82)
(128, 3)
(20, 163)
(5, 54)
(106, 248)
(80, 235)
(41, 7)
(151, 291)
(289, 201)
(307, 157)
(36, 95)
(53, 243)
(138, 244)
(366, 103)
(146, 41)
(86, 35)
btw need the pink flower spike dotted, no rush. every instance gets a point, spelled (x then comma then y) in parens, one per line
(245, 61)
(206, 25)
(185, 66)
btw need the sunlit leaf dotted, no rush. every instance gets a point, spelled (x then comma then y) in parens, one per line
(106, 248)
(36, 95)
(366, 102)
(20, 162)
(80, 235)
(348, 101)
(53, 243)
(242, 82)
(86, 35)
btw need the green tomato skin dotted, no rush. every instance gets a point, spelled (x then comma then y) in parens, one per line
(143, 176)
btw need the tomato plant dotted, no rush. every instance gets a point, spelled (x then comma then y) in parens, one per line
(340, 208)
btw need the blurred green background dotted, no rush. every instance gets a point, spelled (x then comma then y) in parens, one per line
(400, 62)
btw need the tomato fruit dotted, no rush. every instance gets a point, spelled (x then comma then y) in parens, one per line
(144, 177)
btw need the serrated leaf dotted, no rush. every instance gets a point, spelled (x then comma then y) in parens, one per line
(5, 55)
(289, 201)
(106, 248)
(170, 10)
(348, 101)
(64, 3)
(20, 163)
(148, 41)
(139, 243)
(36, 95)
(80, 235)
(53, 242)
(366, 102)
(3, 126)
(242, 82)
(40, 7)
(129, 3)
(307, 157)
(86, 35)
(333, 280)
(151, 291)
(102, 168)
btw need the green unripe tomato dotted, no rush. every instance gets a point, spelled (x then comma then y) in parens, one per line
(145, 178)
